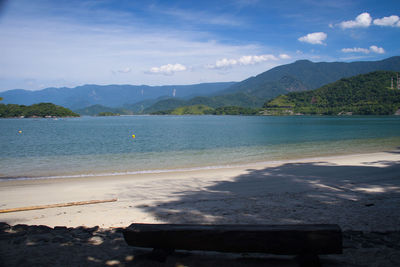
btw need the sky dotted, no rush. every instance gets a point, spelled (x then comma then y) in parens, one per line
(57, 43)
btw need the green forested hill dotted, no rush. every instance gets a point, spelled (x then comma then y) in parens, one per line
(36, 110)
(301, 75)
(96, 109)
(306, 75)
(238, 99)
(206, 110)
(366, 94)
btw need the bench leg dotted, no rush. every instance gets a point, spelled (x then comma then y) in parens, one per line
(308, 260)
(160, 254)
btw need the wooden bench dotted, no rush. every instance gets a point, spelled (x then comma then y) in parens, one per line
(307, 241)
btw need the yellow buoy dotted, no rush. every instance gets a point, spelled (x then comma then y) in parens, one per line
(19, 131)
(133, 136)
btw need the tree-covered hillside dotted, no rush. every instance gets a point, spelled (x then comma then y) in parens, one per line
(238, 99)
(301, 75)
(96, 109)
(206, 110)
(306, 75)
(366, 94)
(36, 110)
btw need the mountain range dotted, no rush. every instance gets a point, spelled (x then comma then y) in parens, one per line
(108, 95)
(301, 75)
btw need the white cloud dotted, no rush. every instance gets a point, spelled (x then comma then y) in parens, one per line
(249, 60)
(125, 70)
(223, 63)
(284, 56)
(168, 69)
(392, 21)
(362, 20)
(355, 50)
(372, 48)
(244, 60)
(375, 49)
(314, 38)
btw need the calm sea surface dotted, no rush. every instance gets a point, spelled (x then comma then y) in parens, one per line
(91, 146)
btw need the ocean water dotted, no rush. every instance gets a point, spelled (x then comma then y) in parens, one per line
(95, 146)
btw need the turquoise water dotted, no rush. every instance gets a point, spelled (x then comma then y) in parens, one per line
(91, 146)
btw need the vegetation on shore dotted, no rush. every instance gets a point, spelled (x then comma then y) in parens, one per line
(366, 94)
(206, 110)
(95, 110)
(237, 99)
(107, 114)
(36, 110)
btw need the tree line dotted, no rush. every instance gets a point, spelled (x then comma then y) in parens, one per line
(35, 110)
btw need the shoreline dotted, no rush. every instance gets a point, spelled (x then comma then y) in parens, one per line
(292, 158)
(162, 172)
(356, 191)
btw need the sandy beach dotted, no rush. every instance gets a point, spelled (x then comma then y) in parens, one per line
(359, 192)
(354, 191)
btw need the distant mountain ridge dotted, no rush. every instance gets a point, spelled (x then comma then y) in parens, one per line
(108, 95)
(299, 76)
(305, 75)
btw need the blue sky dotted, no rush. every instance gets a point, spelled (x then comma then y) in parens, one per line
(45, 43)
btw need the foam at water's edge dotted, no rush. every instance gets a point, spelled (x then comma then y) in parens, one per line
(136, 172)
(158, 171)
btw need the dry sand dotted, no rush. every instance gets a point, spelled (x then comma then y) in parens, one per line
(358, 192)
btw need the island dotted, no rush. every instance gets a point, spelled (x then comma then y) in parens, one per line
(41, 110)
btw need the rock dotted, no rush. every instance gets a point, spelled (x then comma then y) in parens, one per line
(59, 239)
(20, 228)
(96, 240)
(112, 262)
(4, 226)
(87, 229)
(39, 229)
(395, 258)
(60, 228)
(79, 233)
(19, 240)
(41, 238)
(92, 229)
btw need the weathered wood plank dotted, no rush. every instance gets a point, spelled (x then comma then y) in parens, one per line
(59, 205)
(273, 239)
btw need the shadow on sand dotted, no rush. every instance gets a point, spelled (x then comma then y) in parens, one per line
(355, 197)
